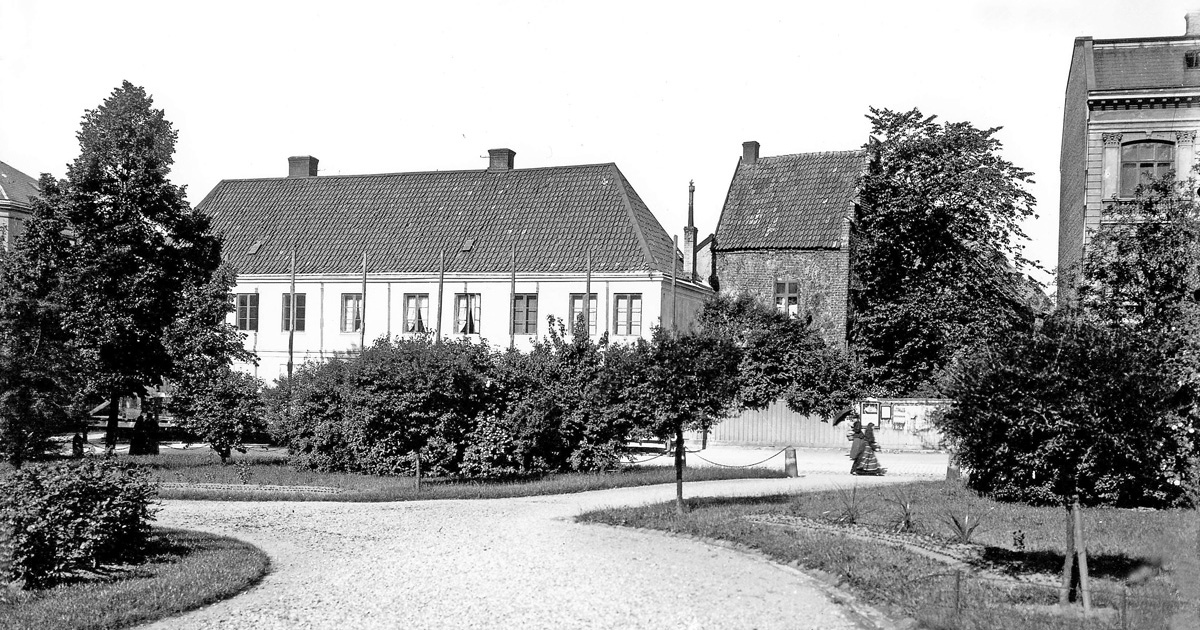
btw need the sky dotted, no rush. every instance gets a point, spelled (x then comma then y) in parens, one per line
(666, 90)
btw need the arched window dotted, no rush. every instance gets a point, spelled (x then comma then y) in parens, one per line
(1141, 161)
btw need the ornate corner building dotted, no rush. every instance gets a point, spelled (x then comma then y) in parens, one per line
(1132, 111)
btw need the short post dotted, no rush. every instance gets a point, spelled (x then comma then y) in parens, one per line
(957, 593)
(789, 463)
(1124, 607)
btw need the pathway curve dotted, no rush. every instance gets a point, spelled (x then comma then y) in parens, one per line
(502, 563)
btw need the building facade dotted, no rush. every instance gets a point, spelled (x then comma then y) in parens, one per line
(486, 255)
(784, 233)
(1132, 111)
(17, 191)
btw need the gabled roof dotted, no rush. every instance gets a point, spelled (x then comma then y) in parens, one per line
(797, 201)
(551, 216)
(16, 186)
(1130, 64)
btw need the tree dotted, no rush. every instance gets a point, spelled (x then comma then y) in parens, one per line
(138, 246)
(937, 226)
(208, 398)
(223, 412)
(782, 357)
(680, 383)
(36, 360)
(1100, 404)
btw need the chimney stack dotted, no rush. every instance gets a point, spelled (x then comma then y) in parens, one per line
(1192, 19)
(500, 159)
(689, 236)
(750, 152)
(302, 166)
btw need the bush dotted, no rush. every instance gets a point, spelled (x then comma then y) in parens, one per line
(74, 516)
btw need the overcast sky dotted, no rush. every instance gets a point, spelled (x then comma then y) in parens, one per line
(667, 91)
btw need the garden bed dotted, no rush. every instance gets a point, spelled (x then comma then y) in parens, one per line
(1143, 563)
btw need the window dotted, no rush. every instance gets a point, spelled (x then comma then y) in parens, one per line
(1191, 59)
(287, 311)
(416, 312)
(787, 297)
(627, 313)
(351, 312)
(525, 314)
(247, 311)
(1141, 161)
(577, 309)
(466, 313)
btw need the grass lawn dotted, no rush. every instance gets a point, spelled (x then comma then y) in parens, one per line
(271, 468)
(1144, 563)
(185, 570)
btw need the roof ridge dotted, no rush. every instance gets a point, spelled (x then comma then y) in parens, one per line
(842, 152)
(433, 172)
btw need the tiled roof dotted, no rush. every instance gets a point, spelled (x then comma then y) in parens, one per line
(1134, 64)
(552, 216)
(790, 201)
(16, 186)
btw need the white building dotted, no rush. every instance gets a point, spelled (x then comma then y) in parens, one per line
(485, 254)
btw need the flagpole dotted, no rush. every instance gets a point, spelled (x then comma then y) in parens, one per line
(292, 318)
(587, 295)
(441, 288)
(512, 300)
(362, 309)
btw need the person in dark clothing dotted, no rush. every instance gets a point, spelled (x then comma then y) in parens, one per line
(866, 463)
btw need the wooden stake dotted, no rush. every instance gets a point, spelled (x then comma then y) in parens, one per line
(1064, 594)
(1081, 551)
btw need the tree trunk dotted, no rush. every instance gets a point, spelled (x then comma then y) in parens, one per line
(679, 462)
(224, 453)
(418, 471)
(1067, 588)
(110, 430)
(1081, 551)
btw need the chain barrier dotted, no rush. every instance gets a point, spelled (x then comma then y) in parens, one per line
(739, 466)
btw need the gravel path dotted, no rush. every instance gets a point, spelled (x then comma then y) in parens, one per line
(507, 563)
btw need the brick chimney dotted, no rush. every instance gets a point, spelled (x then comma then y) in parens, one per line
(689, 236)
(750, 152)
(302, 166)
(501, 159)
(1192, 19)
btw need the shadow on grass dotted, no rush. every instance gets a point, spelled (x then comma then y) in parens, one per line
(1106, 566)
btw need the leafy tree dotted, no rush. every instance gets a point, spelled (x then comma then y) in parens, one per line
(938, 222)
(782, 357)
(208, 399)
(223, 412)
(36, 359)
(138, 246)
(681, 383)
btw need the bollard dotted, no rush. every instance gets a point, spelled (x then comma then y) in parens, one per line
(789, 463)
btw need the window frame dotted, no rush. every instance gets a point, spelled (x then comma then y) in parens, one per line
(416, 314)
(246, 311)
(301, 311)
(624, 322)
(572, 311)
(357, 316)
(467, 313)
(1125, 189)
(791, 291)
(527, 323)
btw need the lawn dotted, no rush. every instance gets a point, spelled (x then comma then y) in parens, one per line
(1145, 563)
(271, 468)
(184, 570)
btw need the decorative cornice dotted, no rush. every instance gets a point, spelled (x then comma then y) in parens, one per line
(1111, 139)
(1127, 102)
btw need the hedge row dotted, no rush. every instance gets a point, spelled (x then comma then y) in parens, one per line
(461, 408)
(63, 518)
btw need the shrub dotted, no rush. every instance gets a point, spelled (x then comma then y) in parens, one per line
(74, 516)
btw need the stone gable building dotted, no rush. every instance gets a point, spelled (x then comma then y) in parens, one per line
(17, 191)
(482, 254)
(784, 233)
(1132, 111)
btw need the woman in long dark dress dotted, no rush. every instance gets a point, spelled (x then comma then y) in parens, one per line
(866, 463)
(858, 444)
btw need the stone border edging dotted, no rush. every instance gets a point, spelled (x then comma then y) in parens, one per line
(246, 487)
